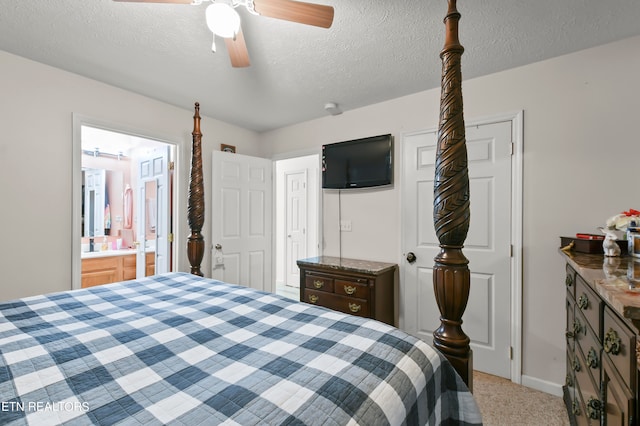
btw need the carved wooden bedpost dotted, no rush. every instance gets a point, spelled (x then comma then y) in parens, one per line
(195, 209)
(451, 276)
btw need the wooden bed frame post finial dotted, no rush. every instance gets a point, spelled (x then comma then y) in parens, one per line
(451, 276)
(195, 209)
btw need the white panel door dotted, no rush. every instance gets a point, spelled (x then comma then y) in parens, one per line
(295, 222)
(241, 220)
(488, 243)
(153, 210)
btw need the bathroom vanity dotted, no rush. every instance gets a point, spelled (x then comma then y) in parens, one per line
(110, 266)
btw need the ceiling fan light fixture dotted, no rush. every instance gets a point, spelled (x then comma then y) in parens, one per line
(223, 20)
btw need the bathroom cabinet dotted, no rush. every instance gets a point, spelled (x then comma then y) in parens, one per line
(111, 269)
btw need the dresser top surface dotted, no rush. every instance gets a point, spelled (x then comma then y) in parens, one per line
(346, 264)
(609, 277)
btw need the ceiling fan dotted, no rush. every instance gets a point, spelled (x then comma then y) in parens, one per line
(224, 21)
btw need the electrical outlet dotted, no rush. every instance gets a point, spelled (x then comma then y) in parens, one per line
(345, 225)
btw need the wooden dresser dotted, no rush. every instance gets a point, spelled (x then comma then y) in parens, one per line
(353, 286)
(603, 322)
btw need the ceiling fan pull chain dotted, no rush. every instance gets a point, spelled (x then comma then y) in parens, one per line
(213, 44)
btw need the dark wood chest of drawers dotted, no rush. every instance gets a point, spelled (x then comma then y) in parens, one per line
(602, 369)
(351, 286)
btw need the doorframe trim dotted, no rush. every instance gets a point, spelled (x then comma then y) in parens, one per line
(517, 137)
(286, 219)
(517, 187)
(79, 120)
(319, 214)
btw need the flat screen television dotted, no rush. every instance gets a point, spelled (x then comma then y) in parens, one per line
(359, 163)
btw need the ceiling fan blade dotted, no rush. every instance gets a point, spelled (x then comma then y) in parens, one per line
(158, 1)
(296, 11)
(237, 51)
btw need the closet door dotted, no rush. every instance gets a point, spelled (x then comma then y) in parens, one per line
(487, 319)
(241, 206)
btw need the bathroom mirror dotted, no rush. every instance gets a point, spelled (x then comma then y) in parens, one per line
(102, 202)
(93, 202)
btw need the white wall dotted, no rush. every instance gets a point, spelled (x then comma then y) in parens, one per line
(581, 153)
(36, 107)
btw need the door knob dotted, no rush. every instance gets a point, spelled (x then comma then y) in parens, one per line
(411, 257)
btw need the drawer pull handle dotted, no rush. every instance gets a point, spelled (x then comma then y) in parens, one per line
(612, 342)
(318, 284)
(577, 327)
(313, 298)
(354, 308)
(575, 407)
(568, 281)
(568, 380)
(593, 408)
(570, 335)
(349, 289)
(592, 358)
(576, 365)
(583, 302)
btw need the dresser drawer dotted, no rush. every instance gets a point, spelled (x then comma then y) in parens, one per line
(588, 390)
(588, 302)
(319, 282)
(570, 329)
(570, 281)
(352, 288)
(619, 401)
(574, 405)
(619, 344)
(591, 351)
(570, 379)
(348, 305)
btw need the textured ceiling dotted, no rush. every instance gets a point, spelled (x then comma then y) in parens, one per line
(376, 49)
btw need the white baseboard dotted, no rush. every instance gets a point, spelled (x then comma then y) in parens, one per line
(542, 385)
(290, 292)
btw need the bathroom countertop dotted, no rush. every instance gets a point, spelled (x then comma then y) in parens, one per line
(107, 253)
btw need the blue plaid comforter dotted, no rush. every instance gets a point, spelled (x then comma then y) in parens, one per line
(179, 349)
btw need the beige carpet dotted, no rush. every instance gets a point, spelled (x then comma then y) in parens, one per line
(506, 404)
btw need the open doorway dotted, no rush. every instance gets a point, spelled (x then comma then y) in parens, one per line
(297, 223)
(123, 192)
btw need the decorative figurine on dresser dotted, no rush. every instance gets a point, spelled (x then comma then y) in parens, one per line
(358, 287)
(602, 328)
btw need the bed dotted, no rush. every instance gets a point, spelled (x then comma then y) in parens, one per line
(181, 349)
(178, 348)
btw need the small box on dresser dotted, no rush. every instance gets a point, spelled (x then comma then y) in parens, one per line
(353, 286)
